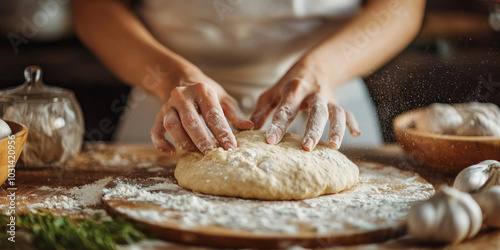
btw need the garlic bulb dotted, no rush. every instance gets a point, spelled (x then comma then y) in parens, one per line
(489, 201)
(450, 216)
(478, 177)
(4, 130)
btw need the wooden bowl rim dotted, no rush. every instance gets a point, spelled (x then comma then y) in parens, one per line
(19, 133)
(399, 125)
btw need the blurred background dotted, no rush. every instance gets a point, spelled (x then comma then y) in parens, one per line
(455, 58)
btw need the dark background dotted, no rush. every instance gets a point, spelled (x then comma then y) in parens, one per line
(455, 58)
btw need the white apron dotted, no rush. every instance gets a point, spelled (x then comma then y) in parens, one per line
(246, 46)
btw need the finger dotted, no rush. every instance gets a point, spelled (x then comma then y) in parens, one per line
(235, 115)
(282, 118)
(216, 121)
(318, 115)
(157, 135)
(337, 125)
(264, 106)
(352, 124)
(173, 125)
(194, 127)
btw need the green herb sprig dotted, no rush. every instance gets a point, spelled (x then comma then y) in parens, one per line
(52, 232)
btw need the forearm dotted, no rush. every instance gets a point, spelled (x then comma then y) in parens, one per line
(126, 47)
(376, 35)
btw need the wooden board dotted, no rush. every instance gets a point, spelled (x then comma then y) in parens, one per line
(96, 162)
(89, 167)
(390, 181)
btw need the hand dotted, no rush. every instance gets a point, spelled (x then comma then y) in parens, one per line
(305, 86)
(179, 117)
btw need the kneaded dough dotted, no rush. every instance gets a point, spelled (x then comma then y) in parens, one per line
(268, 172)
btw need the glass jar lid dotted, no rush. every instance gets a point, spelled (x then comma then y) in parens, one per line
(33, 89)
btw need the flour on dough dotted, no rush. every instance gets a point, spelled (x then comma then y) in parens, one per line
(268, 172)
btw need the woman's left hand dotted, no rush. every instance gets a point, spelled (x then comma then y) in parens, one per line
(307, 86)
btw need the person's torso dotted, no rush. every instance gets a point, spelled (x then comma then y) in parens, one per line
(246, 41)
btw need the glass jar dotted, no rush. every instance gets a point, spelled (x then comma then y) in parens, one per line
(52, 115)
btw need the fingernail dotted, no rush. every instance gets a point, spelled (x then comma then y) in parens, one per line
(335, 141)
(231, 147)
(208, 149)
(308, 144)
(168, 151)
(247, 124)
(272, 139)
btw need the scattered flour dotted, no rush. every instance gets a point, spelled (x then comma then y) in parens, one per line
(117, 157)
(75, 198)
(116, 160)
(372, 204)
(121, 157)
(59, 202)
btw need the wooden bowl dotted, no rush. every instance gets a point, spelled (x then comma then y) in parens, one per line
(444, 153)
(9, 156)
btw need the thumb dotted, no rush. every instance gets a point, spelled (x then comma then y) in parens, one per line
(158, 136)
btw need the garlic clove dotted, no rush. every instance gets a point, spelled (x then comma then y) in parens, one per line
(455, 225)
(465, 201)
(493, 175)
(422, 220)
(450, 216)
(477, 177)
(489, 201)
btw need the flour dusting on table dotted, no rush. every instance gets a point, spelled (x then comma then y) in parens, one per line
(74, 198)
(383, 197)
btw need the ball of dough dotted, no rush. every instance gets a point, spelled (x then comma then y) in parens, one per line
(269, 172)
(480, 119)
(4, 130)
(478, 124)
(440, 118)
(489, 110)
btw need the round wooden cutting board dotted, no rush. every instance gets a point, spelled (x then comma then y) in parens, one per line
(372, 211)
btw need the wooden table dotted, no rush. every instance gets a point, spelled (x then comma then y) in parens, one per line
(100, 160)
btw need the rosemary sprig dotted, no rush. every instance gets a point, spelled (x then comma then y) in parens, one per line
(53, 232)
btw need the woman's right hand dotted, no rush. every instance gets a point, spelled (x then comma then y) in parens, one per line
(180, 117)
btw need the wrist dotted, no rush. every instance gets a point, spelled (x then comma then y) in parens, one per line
(174, 75)
(321, 68)
(189, 74)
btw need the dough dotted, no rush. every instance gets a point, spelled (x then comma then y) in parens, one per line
(467, 119)
(268, 172)
(441, 119)
(478, 124)
(490, 110)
